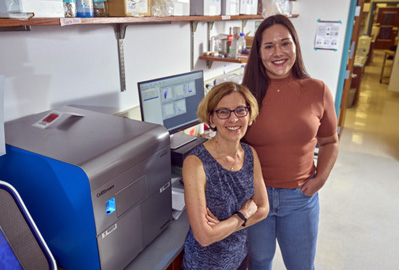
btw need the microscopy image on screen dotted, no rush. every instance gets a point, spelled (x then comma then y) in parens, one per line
(180, 107)
(166, 94)
(175, 107)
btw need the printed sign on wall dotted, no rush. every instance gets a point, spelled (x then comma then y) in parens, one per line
(327, 35)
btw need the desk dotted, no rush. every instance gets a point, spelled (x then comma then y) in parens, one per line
(387, 54)
(164, 249)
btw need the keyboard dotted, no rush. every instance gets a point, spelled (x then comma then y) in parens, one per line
(179, 139)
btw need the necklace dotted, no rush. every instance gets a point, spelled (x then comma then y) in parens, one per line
(234, 163)
(225, 160)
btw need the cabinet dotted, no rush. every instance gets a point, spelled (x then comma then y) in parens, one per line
(358, 71)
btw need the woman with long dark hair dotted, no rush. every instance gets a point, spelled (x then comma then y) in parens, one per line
(296, 113)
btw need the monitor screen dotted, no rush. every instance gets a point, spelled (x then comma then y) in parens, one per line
(172, 101)
(8, 260)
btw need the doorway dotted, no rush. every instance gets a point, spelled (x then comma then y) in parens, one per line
(388, 20)
(372, 120)
(352, 37)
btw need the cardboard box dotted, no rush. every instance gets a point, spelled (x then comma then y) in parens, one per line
(126, 8)
(181, 7)
(249, 40)
(206, 7)
(41, 8)
(231, 7)
(248, 7)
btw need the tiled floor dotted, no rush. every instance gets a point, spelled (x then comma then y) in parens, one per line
(359, 217)
(372, 125)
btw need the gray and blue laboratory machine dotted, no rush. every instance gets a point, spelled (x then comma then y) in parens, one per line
(97, 185)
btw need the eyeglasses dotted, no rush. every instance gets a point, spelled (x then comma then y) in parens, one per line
(225, 113)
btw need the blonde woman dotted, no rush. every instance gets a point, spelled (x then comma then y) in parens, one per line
(223, 183)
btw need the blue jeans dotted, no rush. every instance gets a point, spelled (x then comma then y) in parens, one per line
(293, 220)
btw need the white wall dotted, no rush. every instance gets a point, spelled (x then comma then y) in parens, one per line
(321, 64)
(52, 66)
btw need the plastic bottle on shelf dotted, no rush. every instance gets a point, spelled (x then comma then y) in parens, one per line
(287, 8)
(84, 8)
(239, 45)
(100, 8)
(242, 43)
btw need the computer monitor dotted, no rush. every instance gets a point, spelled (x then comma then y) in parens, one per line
(172, 102)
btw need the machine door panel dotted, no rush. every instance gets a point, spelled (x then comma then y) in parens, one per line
(122, 241)
(129, 189)
(112, 199)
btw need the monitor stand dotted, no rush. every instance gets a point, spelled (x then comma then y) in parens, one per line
(179, 139)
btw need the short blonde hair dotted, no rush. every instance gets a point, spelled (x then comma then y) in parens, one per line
(210, 101)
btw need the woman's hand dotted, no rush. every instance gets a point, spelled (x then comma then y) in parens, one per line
(312, 186)
(249, 208)
(328, 152)
(211, 218)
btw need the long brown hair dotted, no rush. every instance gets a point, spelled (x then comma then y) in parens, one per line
(255, 77)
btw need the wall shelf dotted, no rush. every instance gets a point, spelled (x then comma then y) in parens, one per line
(9, 24)
(5, 22)
(241, 59)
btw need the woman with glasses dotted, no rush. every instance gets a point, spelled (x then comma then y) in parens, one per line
(223, 184)
(296, 113)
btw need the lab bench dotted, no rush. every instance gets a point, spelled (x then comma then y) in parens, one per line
(165, 251)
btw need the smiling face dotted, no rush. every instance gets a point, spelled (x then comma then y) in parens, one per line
(277, 51)
(232, 128)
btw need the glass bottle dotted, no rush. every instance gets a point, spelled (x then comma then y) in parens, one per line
(100, 8)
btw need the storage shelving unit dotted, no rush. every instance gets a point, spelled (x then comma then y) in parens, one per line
(7, 24)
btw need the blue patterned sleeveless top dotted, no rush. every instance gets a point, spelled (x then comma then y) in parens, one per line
(226, 191)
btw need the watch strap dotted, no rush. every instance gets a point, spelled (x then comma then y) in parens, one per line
(241, 215)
